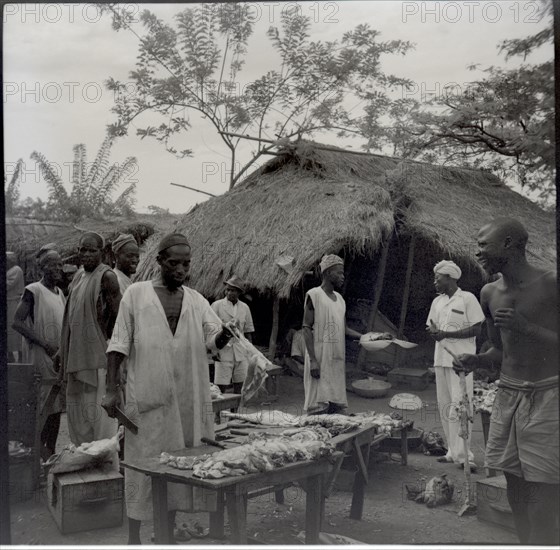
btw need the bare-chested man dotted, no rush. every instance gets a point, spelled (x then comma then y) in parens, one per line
(521, 315)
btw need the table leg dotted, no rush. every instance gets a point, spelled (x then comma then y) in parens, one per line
(162, 532)
(360, 482)
(404, 447)
(217, 517)
(237, 514)
(313, 509)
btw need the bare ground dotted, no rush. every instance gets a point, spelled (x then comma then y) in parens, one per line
(389, 517)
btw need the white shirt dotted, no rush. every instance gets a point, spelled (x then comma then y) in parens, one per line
(241, 314)
(460, 311)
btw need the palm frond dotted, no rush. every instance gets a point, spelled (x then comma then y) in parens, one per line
(57, 192)
(101, 163)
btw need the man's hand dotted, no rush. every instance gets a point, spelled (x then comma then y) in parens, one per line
(434, 332)
(51, 350)
(315, 370)
(466, 362)
(506, 318)
(111, 400)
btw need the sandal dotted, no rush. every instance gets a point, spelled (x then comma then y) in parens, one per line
(444, 459)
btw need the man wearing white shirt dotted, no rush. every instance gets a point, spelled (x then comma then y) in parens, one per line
(454, 322)
(232, 366)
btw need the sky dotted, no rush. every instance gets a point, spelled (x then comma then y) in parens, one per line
(58, 56)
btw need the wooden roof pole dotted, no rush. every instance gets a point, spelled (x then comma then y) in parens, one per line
(406, 294)
(274, 331)
(377, 295)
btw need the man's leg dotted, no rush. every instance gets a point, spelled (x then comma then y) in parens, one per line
(237, 387)
(134, 531)
(543, 511)
(238, 375)
(49, 434)
(444, 399)
(518, 497)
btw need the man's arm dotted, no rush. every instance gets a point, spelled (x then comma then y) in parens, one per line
(111, 399)
(351, 332)
(248, 328)
(23, 312)
(491, 358)
(308, 322)
(112, 298)
(468, 332)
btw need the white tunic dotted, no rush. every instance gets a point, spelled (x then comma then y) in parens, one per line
(460, 311)
(329, 329)
(168, 387)
(48, 310)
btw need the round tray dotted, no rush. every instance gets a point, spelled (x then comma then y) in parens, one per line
(413, 440)
(370, 387)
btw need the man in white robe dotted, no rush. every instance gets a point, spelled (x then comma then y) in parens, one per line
(324, 330)
(163, 329)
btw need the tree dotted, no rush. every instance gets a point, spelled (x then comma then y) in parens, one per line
(196, 68)
(92, 187)
(12, 193)
(503, 122)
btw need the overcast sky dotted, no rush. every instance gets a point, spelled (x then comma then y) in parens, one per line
(57, 57)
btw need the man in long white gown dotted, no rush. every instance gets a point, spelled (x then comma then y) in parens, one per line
(163, 329)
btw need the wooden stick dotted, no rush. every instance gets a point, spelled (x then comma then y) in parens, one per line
(274, 331)
(377, 296)
(406, 294)
(193, 189)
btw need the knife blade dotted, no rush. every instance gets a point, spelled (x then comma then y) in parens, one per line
(125, 421)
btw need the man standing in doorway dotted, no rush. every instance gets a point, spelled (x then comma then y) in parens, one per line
(454, 322)
(521, 315)
(324, 330)
(233, 366)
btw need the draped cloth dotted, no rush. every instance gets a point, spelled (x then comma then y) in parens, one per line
(14, 289)
(82, 353)
(48, 311)
(167, 389)
(329, 329)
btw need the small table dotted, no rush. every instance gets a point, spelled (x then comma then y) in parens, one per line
(230, 402)
(235, 490)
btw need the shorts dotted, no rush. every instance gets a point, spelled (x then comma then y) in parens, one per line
(226, 372)
(523, 436)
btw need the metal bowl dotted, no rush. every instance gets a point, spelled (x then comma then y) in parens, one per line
(370, 387)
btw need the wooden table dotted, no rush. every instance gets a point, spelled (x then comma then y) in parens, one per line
(356, 444)
(235, 490)
(230, 402)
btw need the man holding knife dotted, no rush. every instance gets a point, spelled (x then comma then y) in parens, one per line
(163, 329)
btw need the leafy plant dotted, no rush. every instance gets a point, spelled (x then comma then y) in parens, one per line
(92, 187)
(195, 67)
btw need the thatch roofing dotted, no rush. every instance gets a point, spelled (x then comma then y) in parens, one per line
(310, 201)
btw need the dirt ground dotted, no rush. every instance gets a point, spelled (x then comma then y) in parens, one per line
(389, 517)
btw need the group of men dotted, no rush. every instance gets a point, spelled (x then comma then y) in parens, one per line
(159, 331)
(520, 312)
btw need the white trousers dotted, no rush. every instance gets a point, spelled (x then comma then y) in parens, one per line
(449, 394)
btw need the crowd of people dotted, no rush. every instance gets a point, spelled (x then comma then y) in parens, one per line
(111, 342)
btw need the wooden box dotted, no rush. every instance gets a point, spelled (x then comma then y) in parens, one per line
(492, 502)
(412, 379)
(84, 500)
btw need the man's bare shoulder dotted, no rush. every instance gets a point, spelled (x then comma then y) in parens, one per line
(489, 289)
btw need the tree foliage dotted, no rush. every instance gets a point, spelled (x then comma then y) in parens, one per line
(92, 186)
(12, 190)
(196, 66)
(503, 121)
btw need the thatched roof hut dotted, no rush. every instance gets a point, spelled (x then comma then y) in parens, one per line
(313, 199)
(25, 236)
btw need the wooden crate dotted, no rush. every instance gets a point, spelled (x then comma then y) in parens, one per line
(84, 500)
(412, 379)
(492, 502)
